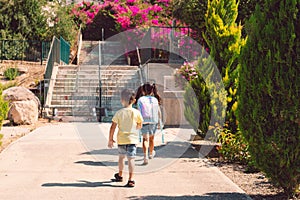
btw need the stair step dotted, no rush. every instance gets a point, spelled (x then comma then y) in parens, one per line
(77, 88)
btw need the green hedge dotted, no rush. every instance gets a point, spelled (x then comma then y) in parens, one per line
(269, 91)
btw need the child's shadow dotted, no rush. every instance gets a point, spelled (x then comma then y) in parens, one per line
(83, 183)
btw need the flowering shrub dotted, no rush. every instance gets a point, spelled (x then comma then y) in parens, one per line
(138, 13)
(135, 17)
(185, 74)
(187, 71)
(85, 12)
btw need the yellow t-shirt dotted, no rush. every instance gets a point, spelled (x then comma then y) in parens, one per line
(127, 119)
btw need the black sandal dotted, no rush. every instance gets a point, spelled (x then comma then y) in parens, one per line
(130, 184)
(118, 178)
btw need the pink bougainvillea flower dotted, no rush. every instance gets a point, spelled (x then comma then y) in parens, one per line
(144, 17)
(156, 8)
(124, 21)
(90, 15)
(146, 10)
(130, 1)
(134, 10)
(162, 1)
(96, 8)
(154, 21)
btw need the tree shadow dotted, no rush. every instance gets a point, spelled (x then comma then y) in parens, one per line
(175, 149)
(208, 196)
(83, 183)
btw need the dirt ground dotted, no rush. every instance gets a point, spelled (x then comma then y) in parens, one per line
(31, 73)
(256, 185)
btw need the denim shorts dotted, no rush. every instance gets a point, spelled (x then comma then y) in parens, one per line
(127, 149)
(149, 129)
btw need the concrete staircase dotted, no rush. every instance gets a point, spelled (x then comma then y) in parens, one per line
(78, 90)
(86, 91)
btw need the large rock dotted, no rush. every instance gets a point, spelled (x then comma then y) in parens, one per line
(24, 105)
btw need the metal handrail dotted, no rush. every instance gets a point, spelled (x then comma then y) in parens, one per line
(142, 76)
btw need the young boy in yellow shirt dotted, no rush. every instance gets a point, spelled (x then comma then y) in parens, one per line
(128, 120)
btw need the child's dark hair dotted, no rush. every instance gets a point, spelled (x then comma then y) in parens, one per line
(147, 87)
(155, 94)
(139, 93)
(128, 95)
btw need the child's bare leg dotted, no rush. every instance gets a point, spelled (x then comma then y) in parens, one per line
(145, 145)
(121, 164)
(131, 165)
(151, 144)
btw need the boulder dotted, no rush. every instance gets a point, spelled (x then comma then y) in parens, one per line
(24, 105)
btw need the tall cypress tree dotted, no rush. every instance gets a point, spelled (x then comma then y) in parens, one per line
(224, 38)
(269, 91)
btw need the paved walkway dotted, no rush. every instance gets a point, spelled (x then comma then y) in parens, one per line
(71, 161)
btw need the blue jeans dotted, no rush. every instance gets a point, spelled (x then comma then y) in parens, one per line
(127, 149)
(149, 129)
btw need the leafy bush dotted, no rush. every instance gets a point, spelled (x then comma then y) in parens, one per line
(11, 73)
(23, 19)
(269, 106)
(13, 49)
(234, 148)
(224, 38)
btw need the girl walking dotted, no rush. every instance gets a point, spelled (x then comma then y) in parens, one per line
(148, 105)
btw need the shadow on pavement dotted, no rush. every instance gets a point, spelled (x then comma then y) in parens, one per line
(83, 183)
(95, 163)
(208, 196)
(169, 150)
(101, 151)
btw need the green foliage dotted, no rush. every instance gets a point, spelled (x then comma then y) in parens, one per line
(35, 20)
(246, 8)
(269, 86)
(197, 105)
(11, 73)
(191, 12)
(61, 24)
(205, 99)
(13, 49)
(224, 39)
(4, 107)
(234, 148)
(223, 35)
(22, 19)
